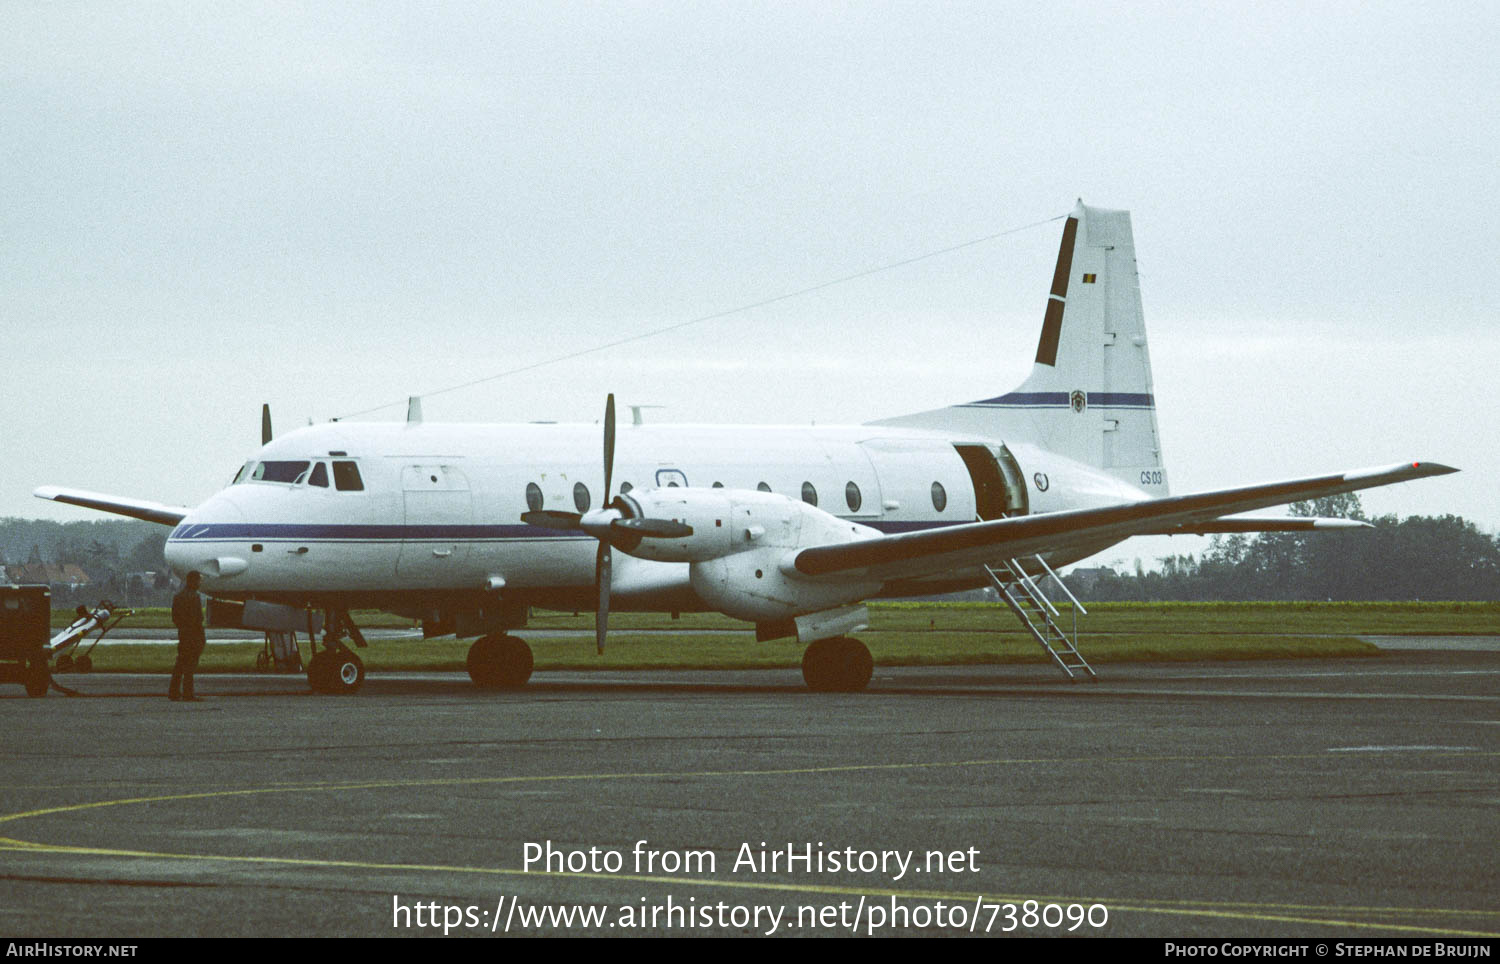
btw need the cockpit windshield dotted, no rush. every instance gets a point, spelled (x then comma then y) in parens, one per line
(279, 471)
(243, 475)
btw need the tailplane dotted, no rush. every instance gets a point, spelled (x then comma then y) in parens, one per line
(1089, 395)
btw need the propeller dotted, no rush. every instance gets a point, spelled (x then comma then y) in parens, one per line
(617, 522)
(265, 423)
(604, 557)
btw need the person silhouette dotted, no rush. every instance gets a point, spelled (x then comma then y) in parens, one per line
(187, 616)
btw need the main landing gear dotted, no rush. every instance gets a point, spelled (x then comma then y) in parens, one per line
(839, 665)
(499, 662)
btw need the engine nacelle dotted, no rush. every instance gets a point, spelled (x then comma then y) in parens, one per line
(755, 586)
(739, 542)
(730, 521)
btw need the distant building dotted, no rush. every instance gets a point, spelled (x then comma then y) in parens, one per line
(58, 575)
(1084, 579)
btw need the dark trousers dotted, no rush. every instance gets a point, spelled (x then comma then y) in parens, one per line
(188, 651)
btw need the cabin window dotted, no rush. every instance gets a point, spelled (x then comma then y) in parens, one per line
(581, 497)
(319, 476)
(939, 496)
(533, 497)
(852, 496)
(809, 494)
(346, 477)
(764, 487)
(279, 471)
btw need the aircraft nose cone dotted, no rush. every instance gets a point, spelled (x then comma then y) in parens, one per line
(198, 543)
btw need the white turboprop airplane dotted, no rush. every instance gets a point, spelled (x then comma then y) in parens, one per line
(467, 526)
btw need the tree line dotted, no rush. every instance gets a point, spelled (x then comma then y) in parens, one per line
(1415, 558)
(122, 558)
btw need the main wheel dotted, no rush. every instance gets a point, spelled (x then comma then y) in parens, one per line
(841, 665)
(499, 662)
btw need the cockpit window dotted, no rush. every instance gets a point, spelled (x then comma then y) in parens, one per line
(243, 474)
(346, 477)
(278, 471)
(319, 476)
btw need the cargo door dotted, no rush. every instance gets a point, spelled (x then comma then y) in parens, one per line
(999, 489)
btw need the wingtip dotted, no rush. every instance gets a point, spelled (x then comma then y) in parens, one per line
(1402, 472)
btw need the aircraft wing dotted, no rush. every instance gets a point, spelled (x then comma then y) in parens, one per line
(915, 554)
(167, 515)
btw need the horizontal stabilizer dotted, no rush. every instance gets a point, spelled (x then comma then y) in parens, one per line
(167, 515)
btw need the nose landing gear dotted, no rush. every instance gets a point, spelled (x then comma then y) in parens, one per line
(336, 670)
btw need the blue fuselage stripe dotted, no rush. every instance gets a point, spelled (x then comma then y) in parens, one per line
(281, 532)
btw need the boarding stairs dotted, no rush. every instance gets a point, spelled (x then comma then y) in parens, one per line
(1029, 602)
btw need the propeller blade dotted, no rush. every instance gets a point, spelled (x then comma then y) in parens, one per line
(655, 528)
(265, 423)
(552, 519)
(609, 445)
(602, 564)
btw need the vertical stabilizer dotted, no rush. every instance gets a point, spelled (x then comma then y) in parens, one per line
(1089, 395)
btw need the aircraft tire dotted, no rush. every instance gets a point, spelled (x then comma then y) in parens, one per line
(83, 664)
(841, 665)
(345, 673)
(499, 662)
(38, 678)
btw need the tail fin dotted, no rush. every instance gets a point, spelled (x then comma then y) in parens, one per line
(1089, 395)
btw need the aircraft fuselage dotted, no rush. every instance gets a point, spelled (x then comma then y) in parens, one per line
(435, 519)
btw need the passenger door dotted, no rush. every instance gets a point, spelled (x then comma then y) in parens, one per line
(439, 514)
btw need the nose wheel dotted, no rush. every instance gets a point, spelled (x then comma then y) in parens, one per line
(499, 662)
(335, 671)
(840, 665)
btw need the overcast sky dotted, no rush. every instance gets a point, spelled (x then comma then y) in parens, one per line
(208, 206)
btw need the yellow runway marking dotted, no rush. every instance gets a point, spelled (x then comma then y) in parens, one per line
(1224, 910)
